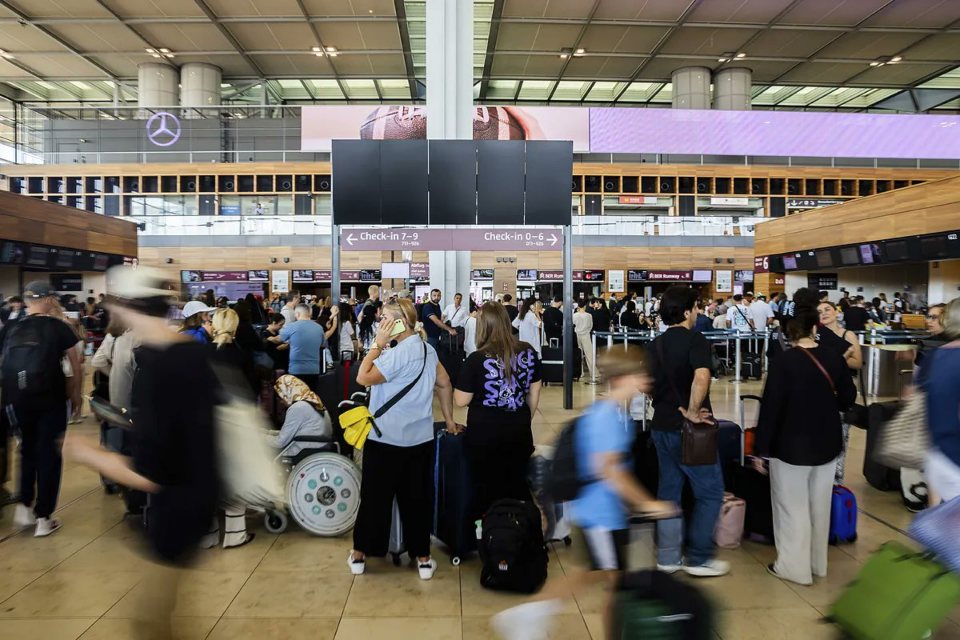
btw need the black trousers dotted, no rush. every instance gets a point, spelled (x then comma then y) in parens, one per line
(42, 426)
(499, 446)
(404, 473)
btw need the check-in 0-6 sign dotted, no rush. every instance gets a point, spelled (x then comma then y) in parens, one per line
(475, 239)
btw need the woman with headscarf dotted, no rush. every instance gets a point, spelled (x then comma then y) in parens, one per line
(306, 415)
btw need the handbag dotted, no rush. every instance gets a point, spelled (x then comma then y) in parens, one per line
(698, 440)
(358, 421)
(936, 529)
(904, 440)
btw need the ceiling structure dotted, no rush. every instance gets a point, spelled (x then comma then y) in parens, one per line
(813, 54)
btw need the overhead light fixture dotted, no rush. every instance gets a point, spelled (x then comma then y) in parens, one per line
(579, 53)
(730, 56)
(875, 64)
(4, 54)
(741, 55)
(162, 52)
(896, 59)
(225, 85)
(885, 60)
(331, 51)
(317, 51)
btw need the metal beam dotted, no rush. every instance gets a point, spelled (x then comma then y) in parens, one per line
(118, 18)
(491, 47)
(215, 20)
(759, 32)
(306, 88)
(316, 35)
(573, 49)
(657, 47)
(401, 10)
(56, 38)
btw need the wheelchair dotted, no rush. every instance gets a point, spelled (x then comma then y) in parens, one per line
(322, 488)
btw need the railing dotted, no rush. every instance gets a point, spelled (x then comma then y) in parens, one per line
(659, 225)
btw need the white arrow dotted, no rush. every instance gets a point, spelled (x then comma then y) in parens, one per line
(351, 240)
(553, 240)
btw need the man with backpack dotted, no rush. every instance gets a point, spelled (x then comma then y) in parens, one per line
(36, 392)
(606, 493)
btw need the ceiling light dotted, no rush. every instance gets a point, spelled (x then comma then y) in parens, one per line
(162, 52)
(331, 51)
(741, 55)
(579, 53)
(224, 85)
(896, 59)
(4, 54)
(875, 64)
(564, 56)
(721, 59)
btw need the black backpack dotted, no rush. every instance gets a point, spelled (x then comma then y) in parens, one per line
(512, 549)
(30, 364)
(563, 481)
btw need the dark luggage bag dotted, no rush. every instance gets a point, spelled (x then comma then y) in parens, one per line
(751, 366)
(879, 476)
(451, 355)
(453, 496)
(551, 361)
(512, 548)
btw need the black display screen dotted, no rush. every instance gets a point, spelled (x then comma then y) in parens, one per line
(356, 181)
(64, 259)
(38, 256)
(549, 164)
(453, 182)
(849, 256)
(896, 251)
(789, 262)
(500, 181)
(934, 247)
(403, 182)
(824, 259)
(11, 253)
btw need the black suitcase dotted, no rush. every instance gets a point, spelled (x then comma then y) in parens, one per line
(751, 366)
(754, 488)
(330, 391)
(879, 476)
(451, 355)
(453, 496)
(551, 361)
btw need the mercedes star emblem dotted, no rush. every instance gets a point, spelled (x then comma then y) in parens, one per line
(163, 129)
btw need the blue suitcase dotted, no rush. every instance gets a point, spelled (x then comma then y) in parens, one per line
(453, 496)
(843, 516)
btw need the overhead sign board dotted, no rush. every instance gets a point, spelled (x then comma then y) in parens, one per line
(474, 239)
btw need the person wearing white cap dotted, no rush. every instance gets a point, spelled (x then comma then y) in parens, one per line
(196, 321)
(175, 459)
(37, 390)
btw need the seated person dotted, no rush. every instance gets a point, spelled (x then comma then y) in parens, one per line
(306, 416)
(273, 345)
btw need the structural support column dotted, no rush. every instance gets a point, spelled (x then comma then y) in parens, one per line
(568, 337)
(732, 89)
(450, 113)
(335, 263)
(691, 88)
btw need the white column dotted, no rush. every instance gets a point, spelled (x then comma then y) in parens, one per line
(199, 87)
(157, 86)
(691, 88)
(732, 89)
(450, 113)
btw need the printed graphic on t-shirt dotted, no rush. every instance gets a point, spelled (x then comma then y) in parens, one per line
(508, 394)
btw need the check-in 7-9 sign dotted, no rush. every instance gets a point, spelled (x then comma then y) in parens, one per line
(473, 239)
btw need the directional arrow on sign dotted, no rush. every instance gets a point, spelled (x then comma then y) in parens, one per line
(351, 240)
(553, 240)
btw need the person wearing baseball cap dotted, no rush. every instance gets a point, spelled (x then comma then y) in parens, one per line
(196, 321)
(174, 460)
(35, 391)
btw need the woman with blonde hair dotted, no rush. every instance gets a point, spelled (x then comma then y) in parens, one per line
(403, 372)
(500, 383)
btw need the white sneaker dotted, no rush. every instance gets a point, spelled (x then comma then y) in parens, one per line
(712, 569)
(23, 516)
(46, 526)
(528, 621)
(427, 569)
(357, 567)
(669, 568)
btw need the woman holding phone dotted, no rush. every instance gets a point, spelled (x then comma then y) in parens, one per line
(530, 324)
(402, 370)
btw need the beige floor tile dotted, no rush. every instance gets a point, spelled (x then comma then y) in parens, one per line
(285, 594)
(13, 581)
(398, 592)
(200, 594)
(123, 629)
(127, 553)
(245, 558)
(298, 550)
(562, 627)
(478, 601)
(749, 587)
(26, 553)
(275, 629)
(70, 594)
(399, 628)
(826, 590)
(595, 625)
(59, 629)
(774, 624)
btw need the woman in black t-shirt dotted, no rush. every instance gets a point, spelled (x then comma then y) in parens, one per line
(500, 383)
(834, 337)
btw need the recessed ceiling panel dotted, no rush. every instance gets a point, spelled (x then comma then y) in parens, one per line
(706, 40)
(936, 47)
(156, 8)
(918, 13)
(253, 8)
(750, 11)
(61, 8)
(184, 37)
(869, 45)
(903, 73)
(668, 10)
(640, 39)
(832, 12)
(278, 36)
(99, 37)
(789, 43)
(821, 72)
(349, 7)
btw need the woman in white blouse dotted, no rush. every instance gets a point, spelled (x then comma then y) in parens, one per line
(529, 323)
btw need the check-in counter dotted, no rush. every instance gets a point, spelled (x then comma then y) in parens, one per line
(888, 368)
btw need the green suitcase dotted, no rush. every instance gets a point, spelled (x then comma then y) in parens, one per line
(898, 595)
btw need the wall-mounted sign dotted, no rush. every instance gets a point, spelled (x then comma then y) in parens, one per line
(302, 275)
(730, 202)
(593, 275)
(636, 275)
(526, 275)
(811, 203)
(163, 129)
(615, 280)
(258, 275)
(670, 276)
(557, 276)
(426, 239)
(481, 274)
(420, 272)
(823, 281)
(779, 280)
(280, 281)
(743, 277)
(724, 281)
(224, 276)
(370, 275)
(761, 264)
(637, 199)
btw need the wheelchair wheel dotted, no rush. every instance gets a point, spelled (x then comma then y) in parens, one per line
(275, 521)
(323, 494)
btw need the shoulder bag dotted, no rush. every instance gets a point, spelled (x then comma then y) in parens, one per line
(698, 440)
(357, 421)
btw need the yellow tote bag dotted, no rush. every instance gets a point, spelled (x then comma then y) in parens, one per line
(356, 424)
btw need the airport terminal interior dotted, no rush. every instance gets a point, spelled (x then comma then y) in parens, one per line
(257, 154)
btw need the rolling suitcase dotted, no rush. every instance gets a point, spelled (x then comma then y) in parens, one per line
(843, 516)
(551, 361)
(453, 489)
(754, 487)
(451, 355)
(898, 595)
(879, 476)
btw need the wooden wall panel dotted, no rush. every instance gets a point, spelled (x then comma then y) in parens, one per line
(926, 208)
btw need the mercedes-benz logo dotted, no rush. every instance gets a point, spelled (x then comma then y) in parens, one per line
(163, 129)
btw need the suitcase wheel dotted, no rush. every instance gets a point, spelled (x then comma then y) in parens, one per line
(567, 541)
(275, 521)
(396, 559)
(455, 561)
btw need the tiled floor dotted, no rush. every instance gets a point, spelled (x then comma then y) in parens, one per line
(82, 582)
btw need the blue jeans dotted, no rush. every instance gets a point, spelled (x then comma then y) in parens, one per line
(707, 484)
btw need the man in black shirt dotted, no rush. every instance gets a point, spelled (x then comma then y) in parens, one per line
(37, 390)
(680, 362)
(855, 317)
(512, 310)
(553, 320)
(431, 317)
